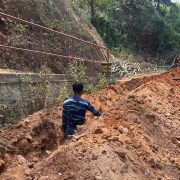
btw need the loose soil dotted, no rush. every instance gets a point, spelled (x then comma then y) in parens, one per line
(137, 137)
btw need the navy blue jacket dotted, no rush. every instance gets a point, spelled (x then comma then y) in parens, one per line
(74, 111)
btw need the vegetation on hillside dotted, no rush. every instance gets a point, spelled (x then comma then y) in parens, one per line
(146, 28)
(150, 27)
(58, 15)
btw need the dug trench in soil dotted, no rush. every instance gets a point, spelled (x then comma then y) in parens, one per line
(138, 137)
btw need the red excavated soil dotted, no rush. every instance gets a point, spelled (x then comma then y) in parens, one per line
(137, 137)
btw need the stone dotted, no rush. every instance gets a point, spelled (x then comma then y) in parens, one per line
(106, 136)
(35, 159)
(27, 172)
(7, 158)
(151, 161)
(150, 117)
(168, 114)
(71, 175)
(48, 152)
(43, 178)
(28, 178)
(123, 130)
(147, 172)
(31, 165)
(52, 133)
(2, 165)
(94, 156)
(159, 165)
(26, 121)
(114, 138)
(99, 178)
(125, 168)
(22, 161)
(131, 96)
(177, 165)
(137, 144)
(104, 151)
(172, 160)
(122, 154)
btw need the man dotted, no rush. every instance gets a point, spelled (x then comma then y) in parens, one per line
(74, 110)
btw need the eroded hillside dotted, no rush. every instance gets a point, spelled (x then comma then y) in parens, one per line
(58, 15)
(137, 137)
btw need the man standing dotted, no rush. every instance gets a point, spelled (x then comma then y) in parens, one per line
(74, 110)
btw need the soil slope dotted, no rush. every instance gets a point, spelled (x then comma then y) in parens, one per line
(137, 137)
(59, 15)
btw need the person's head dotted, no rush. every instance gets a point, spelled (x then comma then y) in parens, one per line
(78, 88)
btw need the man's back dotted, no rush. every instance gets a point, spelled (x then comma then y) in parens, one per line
(74, 111)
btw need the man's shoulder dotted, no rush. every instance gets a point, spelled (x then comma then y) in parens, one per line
(76, 99)
(68, 100)
(84, 100)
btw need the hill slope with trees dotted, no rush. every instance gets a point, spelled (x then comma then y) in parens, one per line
(145, 29)
(150, 28)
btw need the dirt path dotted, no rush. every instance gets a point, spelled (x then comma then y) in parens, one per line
(138, 137)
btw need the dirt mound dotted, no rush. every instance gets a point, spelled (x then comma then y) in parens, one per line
(137, 137)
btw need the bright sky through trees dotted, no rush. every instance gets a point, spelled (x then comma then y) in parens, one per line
(176, 1)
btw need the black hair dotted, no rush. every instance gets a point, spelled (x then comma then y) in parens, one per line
(77, 87)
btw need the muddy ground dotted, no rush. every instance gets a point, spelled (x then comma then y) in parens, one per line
(137, 137)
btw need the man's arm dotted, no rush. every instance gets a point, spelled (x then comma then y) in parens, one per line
(64, 118)
(93, 110)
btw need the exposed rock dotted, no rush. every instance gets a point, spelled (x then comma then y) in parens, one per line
(26, 121)
(43, 178)
(99, 178)
(125, 168)
(48, 152)
(27, 172)
(31, 165)
(7, 158)
(2, 165)
(94, 156)
(159, 165)
(123, 130)
(122, 154)
(147, 172)
(22, 161)
(151, 161)
(172, 160)
(137, 144)
(52, 133)
(35, 159)
(114, 138)
(168, 114)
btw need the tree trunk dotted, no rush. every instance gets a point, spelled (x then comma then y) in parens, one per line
(92, 8)
(158, 5)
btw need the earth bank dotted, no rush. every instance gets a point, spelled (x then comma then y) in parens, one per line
(137, 137)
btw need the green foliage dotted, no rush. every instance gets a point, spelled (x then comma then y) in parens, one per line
(112, 32)
(44, 84)
(7, 113)
(64, 94)
(6, 126)
(139, 26)
(76, 70)
(95, 4)
(21, 106)
(20, 27)
(27, 100)
(103, 81)
(27, 90)
(88, 87)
